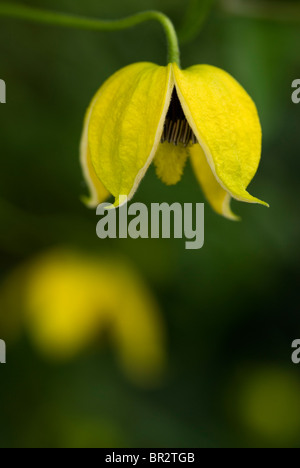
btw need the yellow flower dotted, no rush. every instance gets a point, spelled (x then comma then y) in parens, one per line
(67, 301)
(146, 113)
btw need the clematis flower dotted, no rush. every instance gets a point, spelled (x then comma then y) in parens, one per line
(147, 113)
(67, 300)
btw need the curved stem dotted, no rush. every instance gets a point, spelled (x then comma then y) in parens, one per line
(18, 11)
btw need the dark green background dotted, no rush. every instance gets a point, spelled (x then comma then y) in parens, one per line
(232, 308)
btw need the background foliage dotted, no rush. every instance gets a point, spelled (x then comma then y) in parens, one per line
(231, 309)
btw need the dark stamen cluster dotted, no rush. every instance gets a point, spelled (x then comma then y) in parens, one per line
(176, 128)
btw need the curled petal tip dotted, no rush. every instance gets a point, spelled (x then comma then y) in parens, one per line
(87, 201)
(250, 199)
(120, 201)
(232, 217)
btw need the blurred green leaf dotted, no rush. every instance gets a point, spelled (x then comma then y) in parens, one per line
(196, 14)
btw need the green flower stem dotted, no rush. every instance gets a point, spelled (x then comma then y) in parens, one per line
(18, 11)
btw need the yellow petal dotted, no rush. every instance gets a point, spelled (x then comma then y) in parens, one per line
(138, 330)
(63, 313)
(98, 193)
(218, 198)
(169, 162)
(126, 125)
(225, 121)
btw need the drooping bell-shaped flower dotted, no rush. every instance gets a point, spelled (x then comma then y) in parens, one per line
(147, 113)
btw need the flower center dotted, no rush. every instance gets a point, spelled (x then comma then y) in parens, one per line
(177, 129)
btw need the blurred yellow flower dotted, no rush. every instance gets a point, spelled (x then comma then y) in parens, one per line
(146, 113)
(69, 299)
(265, 401)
